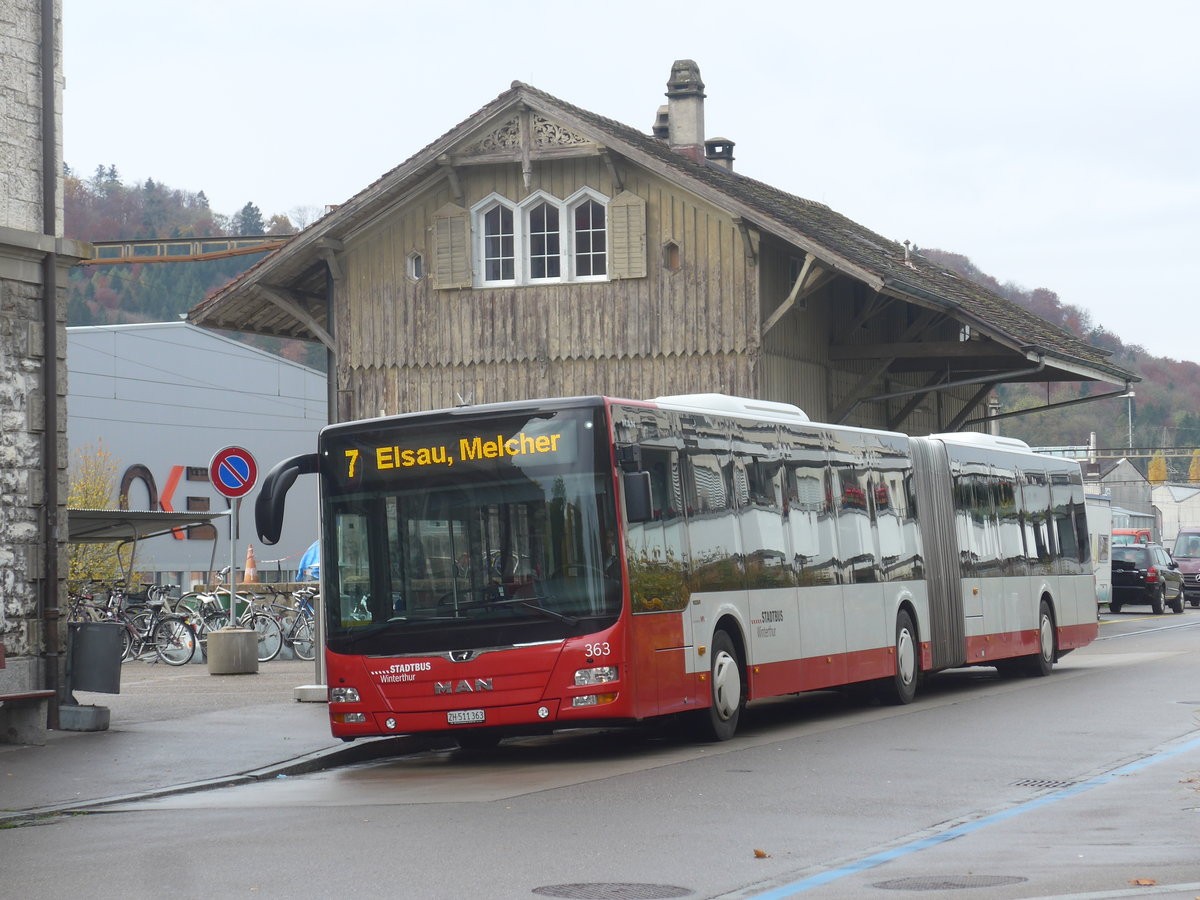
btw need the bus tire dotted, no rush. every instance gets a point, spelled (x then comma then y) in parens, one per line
(727, 692)
(1041, 663)
(901, 688)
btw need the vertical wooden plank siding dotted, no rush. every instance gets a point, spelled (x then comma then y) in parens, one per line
(404, 345)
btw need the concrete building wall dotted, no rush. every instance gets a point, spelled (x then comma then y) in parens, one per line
(162, 399)
(1177, 506)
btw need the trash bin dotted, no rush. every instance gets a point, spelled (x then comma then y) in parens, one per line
(94, 657)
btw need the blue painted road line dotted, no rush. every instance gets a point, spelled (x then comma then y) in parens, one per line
(878, 859)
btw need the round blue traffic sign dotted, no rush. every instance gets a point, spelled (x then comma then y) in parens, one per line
(233, 472)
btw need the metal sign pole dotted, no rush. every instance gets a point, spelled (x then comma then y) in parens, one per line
(235, 532)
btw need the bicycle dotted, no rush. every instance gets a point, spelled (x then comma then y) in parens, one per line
(83, 606)
(299, 631)
(267, 626)
(148, 626)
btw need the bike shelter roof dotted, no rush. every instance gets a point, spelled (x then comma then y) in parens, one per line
(105, 526)
(126, 527)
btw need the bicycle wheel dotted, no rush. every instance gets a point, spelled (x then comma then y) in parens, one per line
(127, 642)
(190, 604)
(136, 639)
(270, 636)
(174, 641)
(302, 638)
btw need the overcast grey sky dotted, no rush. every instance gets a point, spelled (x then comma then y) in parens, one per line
(1053, 143)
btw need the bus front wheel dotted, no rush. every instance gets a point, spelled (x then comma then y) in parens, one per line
(901, 688)
(719, 721)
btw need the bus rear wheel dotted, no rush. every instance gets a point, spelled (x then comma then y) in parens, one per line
(901, 688)
(719, 721)
(1042, 662)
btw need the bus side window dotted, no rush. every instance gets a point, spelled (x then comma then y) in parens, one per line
(656, 552)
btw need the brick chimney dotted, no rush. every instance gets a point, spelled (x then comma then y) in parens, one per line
(685, 109)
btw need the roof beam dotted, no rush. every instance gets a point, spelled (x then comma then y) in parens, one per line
(914, 349)
(748, 238)
(613, 172)
(852, 397)
(914, 401)
(873, 307)
(447, 166)
(810, 280)
(287, 301)
(330, 251)
(969, 407)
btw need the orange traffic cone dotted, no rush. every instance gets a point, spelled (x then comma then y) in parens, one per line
(251, 574)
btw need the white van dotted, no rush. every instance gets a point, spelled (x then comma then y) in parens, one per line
(1099, 519)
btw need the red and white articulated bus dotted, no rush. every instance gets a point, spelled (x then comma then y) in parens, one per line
(521, 567)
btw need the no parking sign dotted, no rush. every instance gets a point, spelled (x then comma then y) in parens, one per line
(233, 472)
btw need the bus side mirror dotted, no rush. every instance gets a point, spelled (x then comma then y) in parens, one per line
(638, 505)
(268, 507)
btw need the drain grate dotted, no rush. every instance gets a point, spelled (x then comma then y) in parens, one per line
(613, 891)
(948, 882)
(1043, 783)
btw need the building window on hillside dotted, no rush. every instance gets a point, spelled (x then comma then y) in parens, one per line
(590, 255)
(416, 266)
(670, 257)
(499, 244)
(545, 255)
(542, 239)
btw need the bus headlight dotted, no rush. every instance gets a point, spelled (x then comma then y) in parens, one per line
(349, 718)
(343, 695)
(598, 675)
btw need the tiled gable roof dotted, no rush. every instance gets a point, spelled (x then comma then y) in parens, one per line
(844, 238)
(835, 239)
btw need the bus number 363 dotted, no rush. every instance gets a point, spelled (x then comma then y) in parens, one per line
(602, 649)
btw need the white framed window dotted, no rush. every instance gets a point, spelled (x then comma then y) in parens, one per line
(589, 235)
(541, 240)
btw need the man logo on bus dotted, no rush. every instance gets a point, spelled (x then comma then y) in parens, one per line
(462, 687)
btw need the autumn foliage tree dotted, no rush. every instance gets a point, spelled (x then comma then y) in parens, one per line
(92, 486)
(1158, 469)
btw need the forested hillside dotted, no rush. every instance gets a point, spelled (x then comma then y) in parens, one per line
(103, 208)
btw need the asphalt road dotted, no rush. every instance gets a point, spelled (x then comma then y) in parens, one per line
(1085, 784)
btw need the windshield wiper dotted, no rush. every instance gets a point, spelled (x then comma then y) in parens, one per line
(528, 603)
(366, 631)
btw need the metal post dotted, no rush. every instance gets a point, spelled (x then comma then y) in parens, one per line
(1129, 397)
(234, 533)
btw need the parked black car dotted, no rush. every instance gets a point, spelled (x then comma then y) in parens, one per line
(1145, 573)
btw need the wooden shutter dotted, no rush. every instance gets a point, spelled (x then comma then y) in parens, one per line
(451, 247)
(627, 236)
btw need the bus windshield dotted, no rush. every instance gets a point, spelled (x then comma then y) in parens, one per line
(470, 533)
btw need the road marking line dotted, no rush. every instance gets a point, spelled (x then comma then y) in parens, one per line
(878, 859)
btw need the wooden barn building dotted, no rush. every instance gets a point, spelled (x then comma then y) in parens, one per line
(539, 249)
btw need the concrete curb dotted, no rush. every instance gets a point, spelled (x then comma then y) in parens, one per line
(319, 760)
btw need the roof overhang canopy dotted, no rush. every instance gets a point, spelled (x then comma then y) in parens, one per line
(106, 526)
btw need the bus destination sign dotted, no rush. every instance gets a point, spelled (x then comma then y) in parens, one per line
(525, 446)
